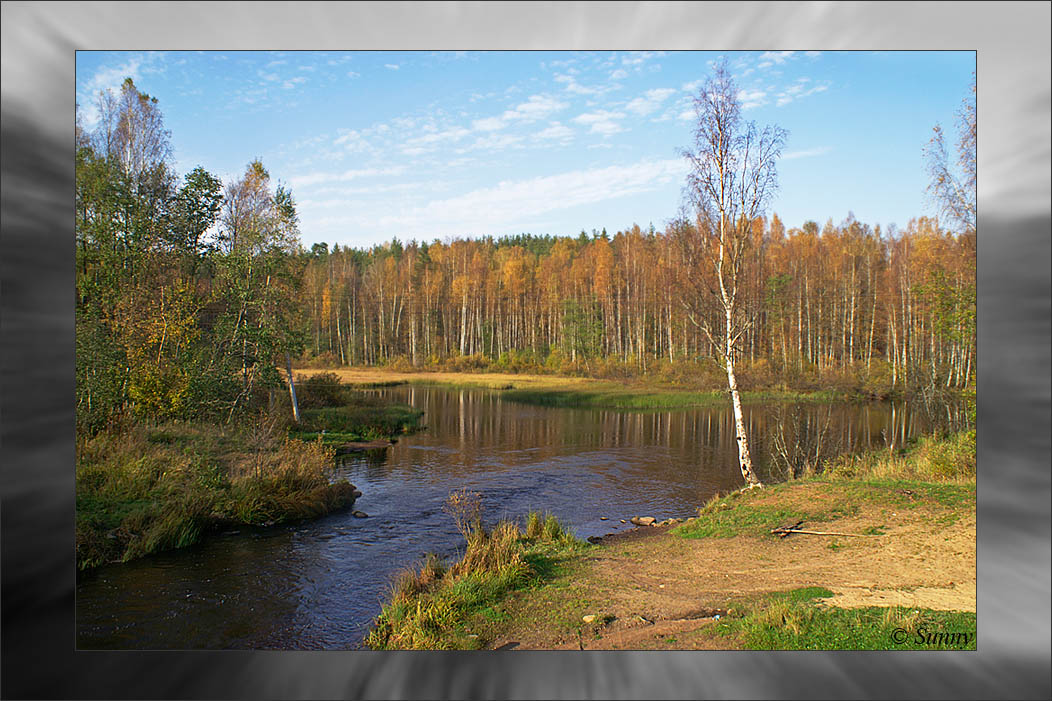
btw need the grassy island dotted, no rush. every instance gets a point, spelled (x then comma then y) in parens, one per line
(142, 488)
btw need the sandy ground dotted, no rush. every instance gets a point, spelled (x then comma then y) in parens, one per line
(658, 586)
(488, 379)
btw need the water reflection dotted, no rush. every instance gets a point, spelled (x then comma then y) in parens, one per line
(318, 585)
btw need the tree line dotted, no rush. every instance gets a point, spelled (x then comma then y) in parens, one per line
(186, 289)
(841, 296)
(191, 293)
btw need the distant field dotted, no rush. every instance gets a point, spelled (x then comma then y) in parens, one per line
(356, 376)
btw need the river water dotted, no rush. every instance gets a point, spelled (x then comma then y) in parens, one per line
(318, 585)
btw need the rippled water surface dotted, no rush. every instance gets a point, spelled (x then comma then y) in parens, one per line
(318, 585)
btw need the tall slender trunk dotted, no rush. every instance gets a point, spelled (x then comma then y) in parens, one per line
(292, 389)
(744, 457)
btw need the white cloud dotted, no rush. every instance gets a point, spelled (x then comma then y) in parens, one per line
(752, 98)
(555, 132)
(288, 84)
(495, 142)
(111, 78)
(800, 89)
(316, 178)
(807, 153)
(638, 58)
(488, 124)
(432, 139)
(771, 58)
(600, 122)
(650, 101)
(619, 74)
(536, 107)
(391, 66)
(509, 202)
(573, 86)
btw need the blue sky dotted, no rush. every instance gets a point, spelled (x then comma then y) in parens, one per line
(424, 145)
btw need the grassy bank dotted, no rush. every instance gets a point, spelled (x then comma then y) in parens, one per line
(440, 607)
(641, 399)
(940, 470)
(896, 570)
(142, 489)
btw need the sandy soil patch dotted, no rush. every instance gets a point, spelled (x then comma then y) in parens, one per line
(661, 588)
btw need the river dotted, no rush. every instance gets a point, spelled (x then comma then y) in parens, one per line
(318, 585)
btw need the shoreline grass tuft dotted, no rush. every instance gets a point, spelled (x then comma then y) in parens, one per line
(428, 607)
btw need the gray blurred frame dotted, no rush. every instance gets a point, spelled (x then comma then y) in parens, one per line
(36, 403)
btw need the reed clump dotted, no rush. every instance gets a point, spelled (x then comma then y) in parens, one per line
(930, 459)
(428, 606)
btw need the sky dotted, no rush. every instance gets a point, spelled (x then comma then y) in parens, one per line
(432, 145)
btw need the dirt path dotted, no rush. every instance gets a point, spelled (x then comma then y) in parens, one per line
(660, 590)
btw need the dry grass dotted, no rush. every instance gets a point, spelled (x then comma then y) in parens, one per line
(150, 488)
(428, 607)
(949, 459)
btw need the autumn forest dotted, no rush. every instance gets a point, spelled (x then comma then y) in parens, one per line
(192, 293)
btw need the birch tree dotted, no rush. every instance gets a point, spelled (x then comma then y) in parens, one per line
(731, 180)
(952, 187)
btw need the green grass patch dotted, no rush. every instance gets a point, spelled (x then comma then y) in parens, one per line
(719, 522)
(364, 418)
(736, 514)
(795, 620)
(630, 399)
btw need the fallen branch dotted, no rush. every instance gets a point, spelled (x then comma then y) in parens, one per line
(783, 531)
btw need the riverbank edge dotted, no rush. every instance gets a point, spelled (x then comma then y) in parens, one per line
(581, 392)
(884, 479)
(145, 488)
(142, 490)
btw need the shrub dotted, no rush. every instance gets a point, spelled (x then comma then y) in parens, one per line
(321, 390)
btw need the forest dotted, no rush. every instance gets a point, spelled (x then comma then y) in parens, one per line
(192, 293)
(895, 308)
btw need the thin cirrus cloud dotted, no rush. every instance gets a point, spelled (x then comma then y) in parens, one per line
(572, 86)
(512, 203)
(806, 153)
(535, 108)
(319, 178)
(800, 89)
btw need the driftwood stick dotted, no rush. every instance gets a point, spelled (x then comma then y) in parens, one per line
(786, 532)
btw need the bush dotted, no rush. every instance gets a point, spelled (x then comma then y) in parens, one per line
(321, 390)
